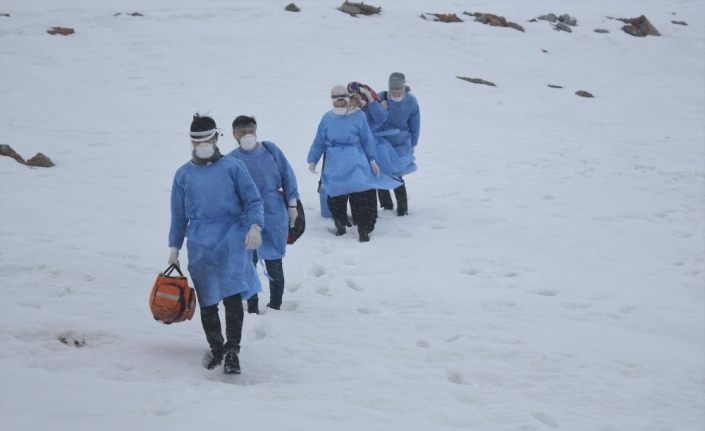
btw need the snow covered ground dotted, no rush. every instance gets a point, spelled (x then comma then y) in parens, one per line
(550, 275)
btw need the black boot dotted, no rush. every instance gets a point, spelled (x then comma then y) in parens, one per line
(340, 228)
(213, 358)
(253, 305)
(363, 233)
(232, 363)
(400, 194)
(385, 199)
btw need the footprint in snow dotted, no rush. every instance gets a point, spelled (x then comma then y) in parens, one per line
(353, 284)
(456, 377)
(368, 311)
(289, 306)
(423, 344)
(317, 270)
(545, 292)
(545, 419)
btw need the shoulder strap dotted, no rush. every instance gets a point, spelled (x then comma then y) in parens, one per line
(267, 147)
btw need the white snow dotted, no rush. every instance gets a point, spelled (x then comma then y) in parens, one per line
(550, 275)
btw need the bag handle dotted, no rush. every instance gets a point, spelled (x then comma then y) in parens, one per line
(171, 269)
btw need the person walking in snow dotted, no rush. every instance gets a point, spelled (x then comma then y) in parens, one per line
(376, 114)
(402, 125)
(350, 170)
(271, 172)
(215, 203)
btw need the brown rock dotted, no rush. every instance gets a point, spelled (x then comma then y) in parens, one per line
(494, 20)
(291, 7)
(64, 31)
(583, 93)
(601, 30)
(477, 81)
(355, 9)
(6, 150)
(680, 22)
(639, 27)
(40, 160)
(442, 17)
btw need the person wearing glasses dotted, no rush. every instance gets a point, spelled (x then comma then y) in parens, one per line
(216, 205)
(271, 172)
(349, 170)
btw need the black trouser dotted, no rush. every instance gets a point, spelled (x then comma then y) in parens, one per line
(385, 198)
(275, 270)
(233, 324)
(363, 206)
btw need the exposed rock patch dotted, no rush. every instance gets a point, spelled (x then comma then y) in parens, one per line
(477, 81)
(442, 17)
(494, 20)
(64, 31)
(291, 7)
(583, 93)
(354, 9)
(39, 160)
(639, 27)
(6, 150)
(601, 30)
(554, 86)
(680, 22)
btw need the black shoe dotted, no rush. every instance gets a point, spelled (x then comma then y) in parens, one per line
(340, 228)
(232, 363)
(364, 235)
(253, 305)
(213, 358)
(273, 307)
(401, 212)
(387, 207)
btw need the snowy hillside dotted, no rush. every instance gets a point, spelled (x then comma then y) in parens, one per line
(550, 274)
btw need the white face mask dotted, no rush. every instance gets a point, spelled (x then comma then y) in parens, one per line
(340, 111)
(204, 150)
(397, 99)
(248, 142)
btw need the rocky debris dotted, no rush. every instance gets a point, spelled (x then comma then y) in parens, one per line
(71, 339)
(494, 20)
(554, 86)
(64, 31)
(601, 30)
(442, 17)
(129, 14)
(679, 22)
(583, 93)
(559, 26)
(565, 19)
(477, 81)
(291, 7)
(5, 14)
(39, 160)
(354, 9)
(544, 51)
(639, 27)
(6, 150)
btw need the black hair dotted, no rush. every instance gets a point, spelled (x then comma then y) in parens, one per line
(202, 123)
(244, 120)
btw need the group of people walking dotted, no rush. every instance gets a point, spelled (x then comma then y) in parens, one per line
(237, 209)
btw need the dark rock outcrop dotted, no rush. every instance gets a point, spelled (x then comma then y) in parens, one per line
(442, 17)
(291, 7)
(639, 27)
(64, 31)
(494, 20)
(40, 160)
(477, 81)
(6, 150)
(583, 93)
(354, 9)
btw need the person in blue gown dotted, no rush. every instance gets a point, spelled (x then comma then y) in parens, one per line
(216, 205)
(272, 173)
(403, 123)
(350, 170)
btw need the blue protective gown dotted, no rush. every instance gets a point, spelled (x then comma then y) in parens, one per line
(271, 171)
(405, 117)
(388, 160)
(349, 146)
(214, 207)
